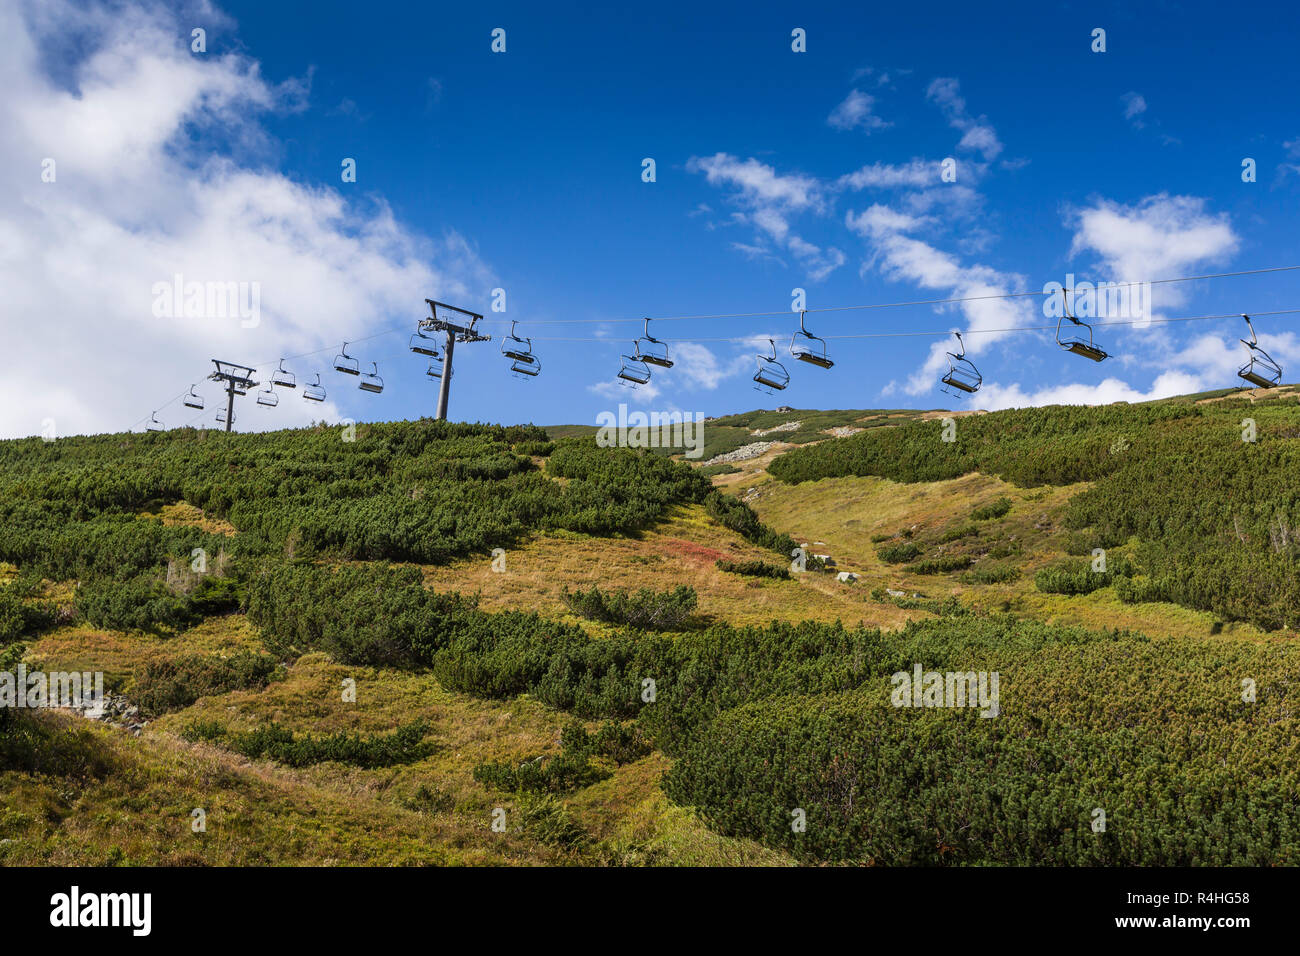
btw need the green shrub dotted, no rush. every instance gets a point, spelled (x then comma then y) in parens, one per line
(645, 608)
(722, 468)
(899, 553)
(757, 569)
(175, 683)
(991, 574)
(1080, 578)
(406, 744)
(942, 564)
(20, 619)
(741, 518)
(994, 509)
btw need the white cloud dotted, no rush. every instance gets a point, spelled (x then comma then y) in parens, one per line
(1160, 237)
(906, 258)
(977, 133)
(1134, 106)
(1168, 384)
(857, 110)
(759, 183)
(918, 173)
(769, 200)
(136, 202)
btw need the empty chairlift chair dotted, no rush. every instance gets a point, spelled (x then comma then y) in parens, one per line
(1078, 346)
(771, 374)
(807, 347)
(315, 391)
(434, 371)
(633, 369)
(371, 382)
(962, 373)
(523, 360)
(345, 363)
(221, 417)
(194, 399)
(1260, 370)
(422, 344)
(649, 350)
(154, 424)
(517, 349)
(283, 378)
(267, 397)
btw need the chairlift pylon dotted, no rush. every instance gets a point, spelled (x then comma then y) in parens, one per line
(283, 378)
(345, 363)
(371, 382)
(633, 368)
(654, 351)
(1260, 370)
(1078, 346)
(962, 373)
(194, 399)
(267, 397)
(314, 391)
(770, 374)
(811, 349)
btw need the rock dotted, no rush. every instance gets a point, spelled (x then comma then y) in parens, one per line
(848, 577)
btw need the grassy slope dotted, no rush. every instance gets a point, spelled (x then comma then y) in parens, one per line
(136, 807)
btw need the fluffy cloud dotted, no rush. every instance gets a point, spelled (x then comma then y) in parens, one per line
(768, 201)
(135, 203)
(1160, 237)
(977, 133)
(857, 110)
(919, 173)
(906, 258)
(1134, 106)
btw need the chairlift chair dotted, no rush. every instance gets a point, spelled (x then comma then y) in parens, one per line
(221, 417)
(345, 363)
(434, 371)
(962, 373)
(155, 425)
(1078, 346)
(423, 344)
(811, 348)
(371, 382)
(650, 350)
(517, 349)
(315, 391)
(283, 377)
(194, 399)
(633, 368)
(267, 397)
(1261, 370)
(770, 374)
(526, 369)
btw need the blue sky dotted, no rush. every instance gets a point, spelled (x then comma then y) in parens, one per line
(522, 170)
